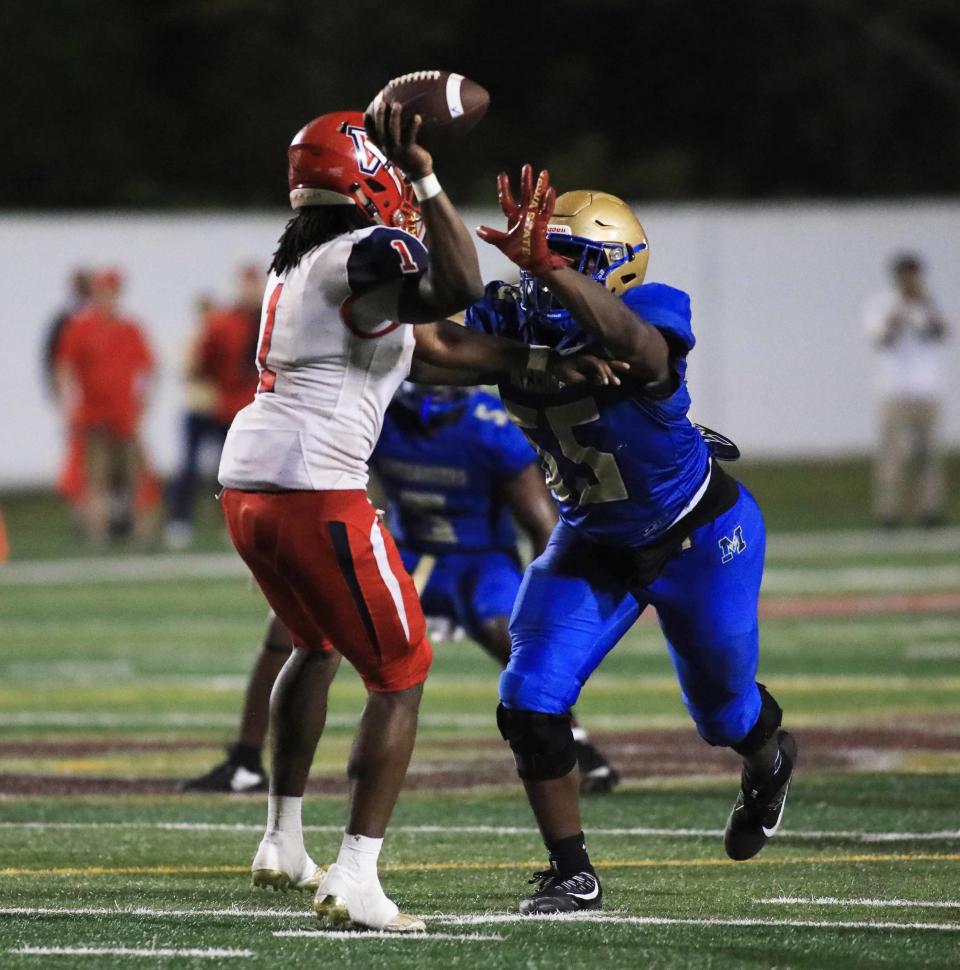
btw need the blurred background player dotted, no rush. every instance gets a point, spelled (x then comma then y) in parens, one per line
(647, 518)
(221, 376)
(908, 333)
(456, 472)
(76, 300)
(103, 369)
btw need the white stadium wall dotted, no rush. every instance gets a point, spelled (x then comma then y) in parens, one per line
(781, 364)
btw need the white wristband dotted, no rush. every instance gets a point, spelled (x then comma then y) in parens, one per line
(427, 187)
(538, 359)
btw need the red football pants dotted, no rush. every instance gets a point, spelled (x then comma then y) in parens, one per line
(333, 575)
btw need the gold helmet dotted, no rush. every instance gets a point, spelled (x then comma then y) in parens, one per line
(602, 235)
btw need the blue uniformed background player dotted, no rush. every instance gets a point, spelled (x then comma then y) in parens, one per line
(457, 473)
(647, 517)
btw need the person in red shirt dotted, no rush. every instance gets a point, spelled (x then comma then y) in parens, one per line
(222, 362)
(103, 368)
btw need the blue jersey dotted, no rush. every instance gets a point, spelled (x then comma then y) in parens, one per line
(445, 484)
(622, 466)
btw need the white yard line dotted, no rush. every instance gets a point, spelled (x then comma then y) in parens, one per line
(178, 719)
(177, 567)
(943, 835)
(867, 903)
(209, 953)
(500, 918)
(457, 919)
(427, 937)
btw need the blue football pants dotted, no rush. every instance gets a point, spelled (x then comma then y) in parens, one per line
(574, 606)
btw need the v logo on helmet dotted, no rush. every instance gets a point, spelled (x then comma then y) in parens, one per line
(369, 159)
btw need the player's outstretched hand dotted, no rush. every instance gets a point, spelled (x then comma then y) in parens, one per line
(587, 369)
(525, 241)
(398, 139)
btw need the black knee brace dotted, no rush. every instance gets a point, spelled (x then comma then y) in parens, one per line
(542, 744)
(771, 717)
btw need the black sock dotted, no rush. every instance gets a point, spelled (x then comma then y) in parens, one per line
(247, 756)
(569, 856)
(763, 763)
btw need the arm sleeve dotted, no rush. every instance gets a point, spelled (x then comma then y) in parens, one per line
(668, 310)
(384, 270)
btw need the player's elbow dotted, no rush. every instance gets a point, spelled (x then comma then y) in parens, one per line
(455, 291)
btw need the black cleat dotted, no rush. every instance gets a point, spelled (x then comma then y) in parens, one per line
(229, 776)
(757, 812)
(569, 894)
(597, 775)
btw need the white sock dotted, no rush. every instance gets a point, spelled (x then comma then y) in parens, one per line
(359, 854)
(283, 816)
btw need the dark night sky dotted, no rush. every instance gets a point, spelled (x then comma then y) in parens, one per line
(182, 104)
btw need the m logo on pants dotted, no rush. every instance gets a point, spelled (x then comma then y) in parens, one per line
(731, 545)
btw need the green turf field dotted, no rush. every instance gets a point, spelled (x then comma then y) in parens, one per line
(119, 676)
(808, 494)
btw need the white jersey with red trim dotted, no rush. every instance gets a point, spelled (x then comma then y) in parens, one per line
(330, 358)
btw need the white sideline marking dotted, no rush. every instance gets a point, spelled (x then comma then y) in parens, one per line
(803, 835)
(933, 651)
(126, 951)
(144, 911)
(123, 569)
(861, 579)
(861, 542)
(497, 918)
(880, 903)
(426, 937)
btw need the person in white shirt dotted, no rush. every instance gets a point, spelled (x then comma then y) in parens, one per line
(908, 333)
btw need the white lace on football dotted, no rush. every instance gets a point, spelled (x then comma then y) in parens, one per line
(414, 76)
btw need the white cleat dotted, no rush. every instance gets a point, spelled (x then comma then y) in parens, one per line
(342, 900)
(282, 867)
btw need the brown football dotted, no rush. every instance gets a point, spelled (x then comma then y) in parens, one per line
(447, 103)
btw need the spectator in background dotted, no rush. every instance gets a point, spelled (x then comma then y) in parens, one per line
(102, 369)
(908, 332)
(221, 379)
(79, 294)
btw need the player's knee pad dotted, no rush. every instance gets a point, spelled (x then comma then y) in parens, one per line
(542, 744)
(768, 721)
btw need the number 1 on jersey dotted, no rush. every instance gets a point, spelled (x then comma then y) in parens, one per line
(407, 263)
(267, 377)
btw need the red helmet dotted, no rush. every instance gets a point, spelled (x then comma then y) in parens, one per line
(332, 162)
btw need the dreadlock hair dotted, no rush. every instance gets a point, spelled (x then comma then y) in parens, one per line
(310, 227)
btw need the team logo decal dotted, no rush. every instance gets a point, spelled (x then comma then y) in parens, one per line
(369, 160)
(732, 545)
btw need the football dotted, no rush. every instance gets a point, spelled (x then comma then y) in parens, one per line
(448, 103)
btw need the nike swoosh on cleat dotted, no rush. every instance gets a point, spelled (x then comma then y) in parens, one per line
(773, 831)
(243, 780)
(586, 896)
